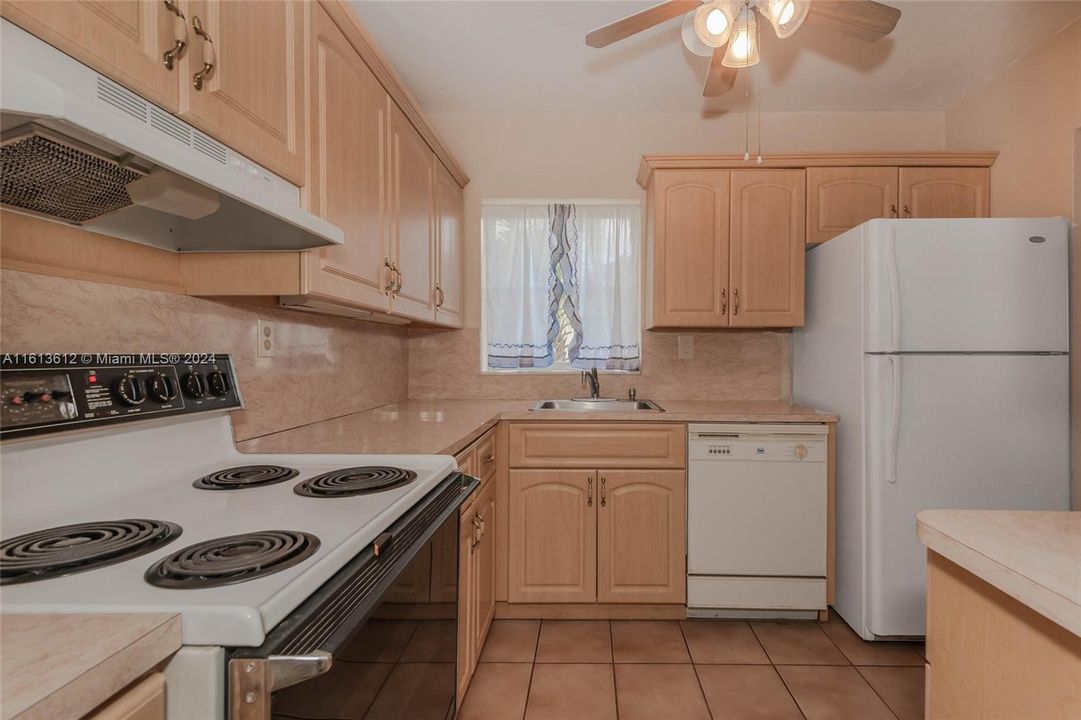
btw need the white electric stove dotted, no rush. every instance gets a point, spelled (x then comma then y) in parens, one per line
(122, 491)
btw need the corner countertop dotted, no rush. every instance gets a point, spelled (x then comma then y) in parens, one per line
(1034, 557)
(64, 666)
(446, 427)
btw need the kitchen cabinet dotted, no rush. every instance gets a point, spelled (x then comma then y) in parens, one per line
(840, 198)
(242, 79)
(349, 111)
(125, 41)
(767, 234)
(145, 700)
(641, 523)
(412, 220)
(597, 444)
(467, 650)
(930, 192)
(476, 580)
(449, 253)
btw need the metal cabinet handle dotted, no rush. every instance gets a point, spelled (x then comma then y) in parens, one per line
(735, 301)
(589, 493)
(893, 211)
(400, 281)
(209, 57)
(394, 281)
(180, 32)
(724, 301)
(604, 491)
(440, 297)
(906, 211)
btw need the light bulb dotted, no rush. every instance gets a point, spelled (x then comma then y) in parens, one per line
(713, 22)
(786, 16)
(743, 47)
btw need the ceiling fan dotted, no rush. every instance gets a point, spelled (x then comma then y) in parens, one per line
(729, 28)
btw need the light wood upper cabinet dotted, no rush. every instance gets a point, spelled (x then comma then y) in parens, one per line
(253, 97)
(348, 184)
(690, 248)
(929, 192)
(552, 536)
(641, 536)
(840, 198)
(124, 40)
(449, 254)
(767, 246)
(412, 218)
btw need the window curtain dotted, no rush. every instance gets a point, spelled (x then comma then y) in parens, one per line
(606, 291)
(521, 286)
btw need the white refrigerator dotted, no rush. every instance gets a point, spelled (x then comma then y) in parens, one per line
(943, 347)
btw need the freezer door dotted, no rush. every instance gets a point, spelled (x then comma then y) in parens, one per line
(954, 431)
(979, 285)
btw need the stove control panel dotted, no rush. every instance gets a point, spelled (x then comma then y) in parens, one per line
(55, 392)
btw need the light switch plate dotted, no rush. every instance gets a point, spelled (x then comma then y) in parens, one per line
(686, 347)
(265, 341)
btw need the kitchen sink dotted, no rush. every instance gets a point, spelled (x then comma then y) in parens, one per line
(599, 405)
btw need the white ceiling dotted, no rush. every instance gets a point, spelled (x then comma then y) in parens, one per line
(477, 56)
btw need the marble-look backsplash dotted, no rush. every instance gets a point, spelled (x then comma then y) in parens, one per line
(727, 365)
(323, 367)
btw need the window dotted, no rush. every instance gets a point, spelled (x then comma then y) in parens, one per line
(560, 286)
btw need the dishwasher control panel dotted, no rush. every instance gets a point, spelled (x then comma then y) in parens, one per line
(749, 443)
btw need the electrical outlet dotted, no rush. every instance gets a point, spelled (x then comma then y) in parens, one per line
(686, 347)
(265, 342)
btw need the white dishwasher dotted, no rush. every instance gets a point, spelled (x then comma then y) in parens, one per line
(756, 520)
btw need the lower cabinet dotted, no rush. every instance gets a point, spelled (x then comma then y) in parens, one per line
(144, 700)
(476, 581)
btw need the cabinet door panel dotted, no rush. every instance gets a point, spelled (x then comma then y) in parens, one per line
(125, 40)
(945, 192)
(412, 217)
(767, 247)
(450, 255)
(641, 531)
(690, 253)
(484, 560)
(839, 199)
(553, 536)
(349, 169)
(253, 98)
(467, 653)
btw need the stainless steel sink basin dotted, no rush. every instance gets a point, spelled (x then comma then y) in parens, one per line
(599, 405)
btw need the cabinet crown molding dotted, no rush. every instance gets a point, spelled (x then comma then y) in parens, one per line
(805, 160)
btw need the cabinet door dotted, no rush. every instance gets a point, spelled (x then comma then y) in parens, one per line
(641, 536)
(252, 99)
(467, 653)
(552, 536)
(690, 248)
(484, 562)
(145, 700)
(767, 248)
(412, 217)
(449, 234)
(125, 40)
(348, 182)
(840, 198)
(945, 192)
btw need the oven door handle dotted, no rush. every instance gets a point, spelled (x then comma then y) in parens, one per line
(286, 670)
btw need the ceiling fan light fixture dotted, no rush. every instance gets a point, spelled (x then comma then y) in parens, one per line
(713, 23)
(786, 16)
(743, 45)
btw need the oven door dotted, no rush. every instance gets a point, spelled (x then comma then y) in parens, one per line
(378, 640)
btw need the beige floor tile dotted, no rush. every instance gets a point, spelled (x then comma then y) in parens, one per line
(415, 691)
(511, 641)
(381, 641)
(659, 692)
(797, 643)
(498, 691)
(651, 641)
(566, 691)
(860, 652)
(900, 687)
(723, 641)
(576, 641)
(833, 693)
(433, 641)
(345, 692)
(746, 692)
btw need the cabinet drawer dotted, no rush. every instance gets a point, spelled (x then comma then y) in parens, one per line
(484, 458)
(593, 445)
(143, 701)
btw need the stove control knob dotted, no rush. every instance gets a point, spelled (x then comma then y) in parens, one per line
(129, 390)
(161, 387)
(217, 383)
(194, 385)
(800, 451)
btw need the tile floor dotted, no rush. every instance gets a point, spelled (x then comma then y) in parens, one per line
(691, 670)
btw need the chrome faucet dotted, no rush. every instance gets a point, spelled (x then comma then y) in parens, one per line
(590, 376)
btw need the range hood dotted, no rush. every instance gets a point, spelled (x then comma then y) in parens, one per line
(77, 148)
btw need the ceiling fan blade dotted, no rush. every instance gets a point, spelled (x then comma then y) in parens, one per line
(863, 19)
(719, 77)
(640, 21)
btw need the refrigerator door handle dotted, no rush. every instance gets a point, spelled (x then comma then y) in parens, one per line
(895, 291)
(895, 419)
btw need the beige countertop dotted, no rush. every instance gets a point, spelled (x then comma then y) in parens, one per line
(447, 426)
(64, 666)
(1034, 557)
